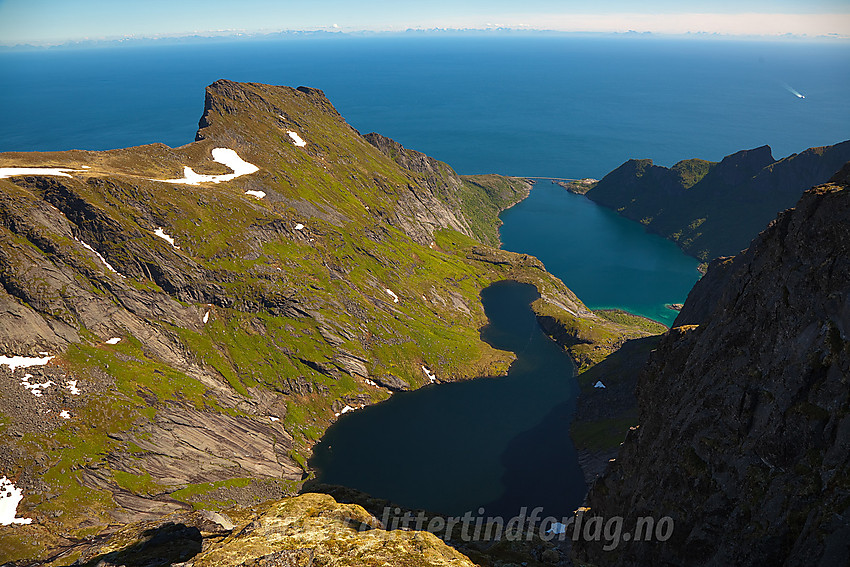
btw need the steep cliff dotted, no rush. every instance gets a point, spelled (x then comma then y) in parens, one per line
(713, 209)
(179, 326)
(744, 408)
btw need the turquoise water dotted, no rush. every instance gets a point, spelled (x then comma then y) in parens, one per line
(498, 443)
(606, 260)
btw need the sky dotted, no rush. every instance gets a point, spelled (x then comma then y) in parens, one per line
(57, 21)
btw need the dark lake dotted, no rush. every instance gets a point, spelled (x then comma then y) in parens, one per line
(488, 443)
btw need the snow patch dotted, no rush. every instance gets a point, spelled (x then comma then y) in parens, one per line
(431, 376)
(64, 414)
(370, 382)
(161, 233)
(14, 362)
(599, 384)
(296, 139)
(99, 257)
(257, 194)
(113, 341)
(206, 317)
(36, 389)
(392, 294)
(224, 156)
(10, 497)
(273, 418)
(60, 171)
(299, 226)
(72, 387)
(346, 409)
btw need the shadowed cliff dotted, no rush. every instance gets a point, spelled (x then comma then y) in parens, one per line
(744, 408)
(713, 209)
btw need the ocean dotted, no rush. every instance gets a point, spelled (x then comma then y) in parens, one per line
(560, 106)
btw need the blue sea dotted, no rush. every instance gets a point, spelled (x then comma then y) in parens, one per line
(560, 106)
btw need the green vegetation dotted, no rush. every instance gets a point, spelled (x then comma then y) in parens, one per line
(629, 319)
(603, 434)
(484, 197)
(606, 420)
(271, 307)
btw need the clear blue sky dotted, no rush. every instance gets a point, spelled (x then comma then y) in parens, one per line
(39, 21)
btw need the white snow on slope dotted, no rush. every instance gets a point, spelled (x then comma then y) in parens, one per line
(346, 409)
(113, 341)
(14, 362)
(36, 389)
(392, 294)
(257, 194)
(99, 257)
(224, 156)
(431, 376)
(296, 139)
(10, 497)
(60, 171)
(161, 233)
(72, 387)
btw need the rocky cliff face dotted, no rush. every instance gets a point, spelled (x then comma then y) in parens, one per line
(714, 209)
(179, 326)
(744, 425)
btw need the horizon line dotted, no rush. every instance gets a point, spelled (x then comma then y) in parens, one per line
(336, 32)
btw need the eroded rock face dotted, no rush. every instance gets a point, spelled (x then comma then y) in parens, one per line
(744, 436)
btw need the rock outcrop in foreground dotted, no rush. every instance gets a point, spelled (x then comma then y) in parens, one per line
(303, 531)
(744, 435)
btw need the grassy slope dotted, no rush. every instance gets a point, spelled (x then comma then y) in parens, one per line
(242, 260)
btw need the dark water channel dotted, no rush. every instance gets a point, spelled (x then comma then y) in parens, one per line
(497, 443)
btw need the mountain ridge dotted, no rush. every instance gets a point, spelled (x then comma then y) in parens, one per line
(712, 209)
(210, 309)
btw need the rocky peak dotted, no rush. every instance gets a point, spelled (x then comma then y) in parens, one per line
(744, 164)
